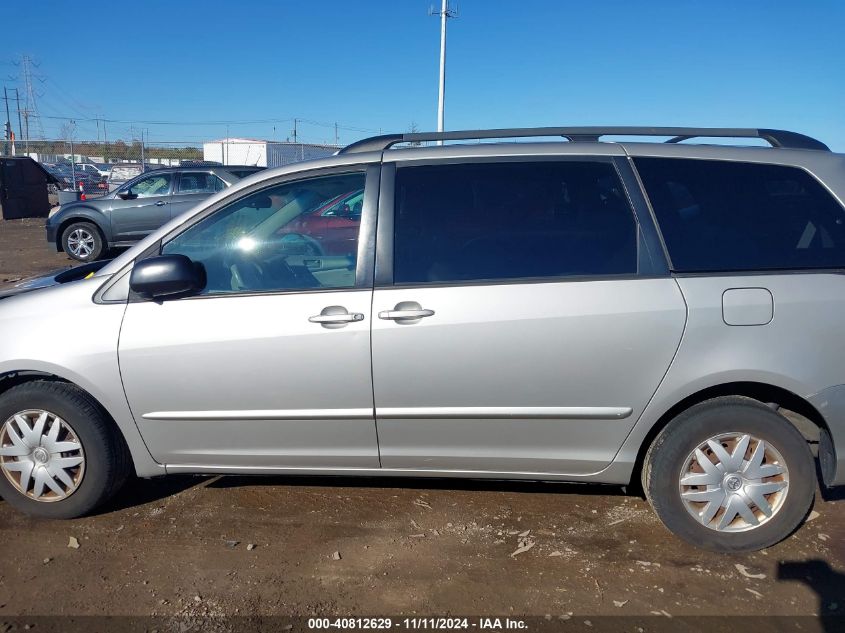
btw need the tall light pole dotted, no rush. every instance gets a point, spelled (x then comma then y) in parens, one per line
(445, 13)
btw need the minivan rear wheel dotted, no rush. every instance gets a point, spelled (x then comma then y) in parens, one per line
(60, 455)
(730, 475)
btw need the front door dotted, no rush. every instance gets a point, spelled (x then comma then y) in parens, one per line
(269, 367)
(141, 206)
(517, 334)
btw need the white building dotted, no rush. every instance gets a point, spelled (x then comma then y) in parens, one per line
(250, 151)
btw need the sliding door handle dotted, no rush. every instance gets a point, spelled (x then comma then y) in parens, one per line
(405, 311)
(393, 315)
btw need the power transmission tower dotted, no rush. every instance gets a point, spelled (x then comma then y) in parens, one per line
(444, 14)
(31, 104)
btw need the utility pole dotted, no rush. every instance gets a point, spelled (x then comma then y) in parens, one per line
(20, 125)
(7, 129)
(444, 14)
(336, 143)
(143, 162)
(294, 130)
(26, 138)
(72, 156)
(105, 142)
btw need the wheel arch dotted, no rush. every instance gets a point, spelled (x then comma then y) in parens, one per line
(797, 410)
(82, 214)
(134, 444)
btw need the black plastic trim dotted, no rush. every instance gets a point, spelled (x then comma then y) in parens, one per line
(651, 236)
(365, 265)
(523, 281)
(384, 232)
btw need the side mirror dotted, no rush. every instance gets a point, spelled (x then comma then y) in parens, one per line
(166, 276)
(127, 195)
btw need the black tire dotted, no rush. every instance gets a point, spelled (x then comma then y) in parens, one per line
(92, 233)
(666, 458)
(107, 460)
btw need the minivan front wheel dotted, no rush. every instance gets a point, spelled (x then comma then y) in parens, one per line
(730, 475)
(60, 455)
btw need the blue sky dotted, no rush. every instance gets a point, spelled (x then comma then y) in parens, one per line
(372, 65)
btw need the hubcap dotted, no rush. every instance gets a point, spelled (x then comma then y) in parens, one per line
(80, 243)
(734, 482)
(41, 455)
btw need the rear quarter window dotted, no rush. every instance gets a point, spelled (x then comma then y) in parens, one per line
(731, 216)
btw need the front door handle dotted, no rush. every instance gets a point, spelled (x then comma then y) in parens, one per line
(337, 318)
(405, 311)
(333, 317)
(160, 203)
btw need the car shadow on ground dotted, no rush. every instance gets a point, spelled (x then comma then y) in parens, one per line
(420, 483)
(828, 585)
(137, 492)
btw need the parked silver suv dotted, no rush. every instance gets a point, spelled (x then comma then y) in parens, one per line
(611, 312)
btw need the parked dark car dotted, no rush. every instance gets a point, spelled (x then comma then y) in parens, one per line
(86, 229)
(70, 179)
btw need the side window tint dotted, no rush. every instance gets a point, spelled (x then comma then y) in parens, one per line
(727, 216)
(511, 220)
(199, 182)
(157, 185)
(277, 239)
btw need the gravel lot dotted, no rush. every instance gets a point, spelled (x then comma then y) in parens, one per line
(191, 546)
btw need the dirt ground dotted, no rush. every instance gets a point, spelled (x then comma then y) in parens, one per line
(192, 546)
(24, 251)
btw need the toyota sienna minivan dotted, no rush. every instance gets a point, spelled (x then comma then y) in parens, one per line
(572, 308)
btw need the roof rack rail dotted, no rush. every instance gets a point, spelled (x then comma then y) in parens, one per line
(776, 138)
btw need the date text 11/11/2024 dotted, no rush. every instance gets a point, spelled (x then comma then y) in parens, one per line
(419, 624)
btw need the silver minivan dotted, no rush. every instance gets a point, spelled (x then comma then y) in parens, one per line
(665, 314)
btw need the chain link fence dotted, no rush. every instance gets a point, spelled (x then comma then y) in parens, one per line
(98, 167)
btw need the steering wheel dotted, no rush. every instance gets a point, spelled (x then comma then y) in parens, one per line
(246, 271)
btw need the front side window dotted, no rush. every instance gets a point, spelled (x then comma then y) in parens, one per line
(545, 219)
(276, 239)
(199, 182)
(731, 216)
(156, 185)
